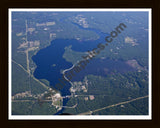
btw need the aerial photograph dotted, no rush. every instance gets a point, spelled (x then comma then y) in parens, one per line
(79, 63)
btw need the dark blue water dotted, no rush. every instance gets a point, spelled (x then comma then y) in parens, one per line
(46, 57)
(103, 67)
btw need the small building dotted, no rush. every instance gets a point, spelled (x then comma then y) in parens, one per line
(85, 98)
(91, 97)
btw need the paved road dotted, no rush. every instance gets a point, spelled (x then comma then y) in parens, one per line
(110, 106)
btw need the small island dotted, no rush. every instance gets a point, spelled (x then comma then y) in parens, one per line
(53, 65)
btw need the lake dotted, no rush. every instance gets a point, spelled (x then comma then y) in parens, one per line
(53, 54)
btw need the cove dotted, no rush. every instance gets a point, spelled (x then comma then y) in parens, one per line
(103, 67)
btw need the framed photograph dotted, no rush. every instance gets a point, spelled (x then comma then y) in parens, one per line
(80, 64)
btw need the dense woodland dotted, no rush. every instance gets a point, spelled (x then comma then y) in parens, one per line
(111, 90)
